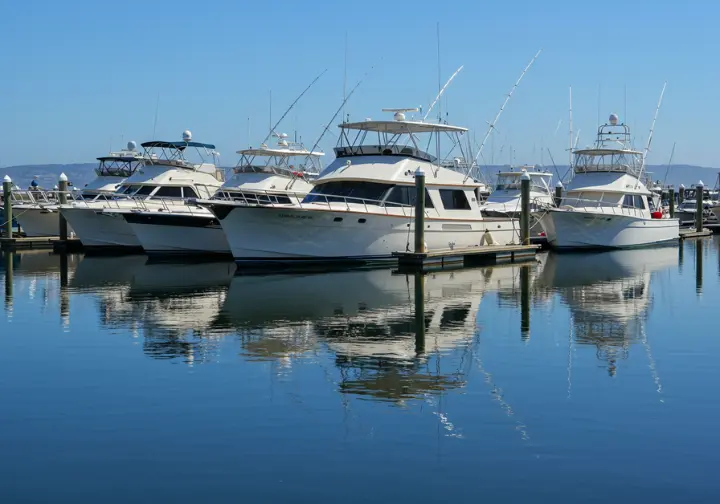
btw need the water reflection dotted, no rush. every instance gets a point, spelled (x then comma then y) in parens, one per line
(171, 305)
(608, 295)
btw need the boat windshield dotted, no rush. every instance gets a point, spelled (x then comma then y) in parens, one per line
(593, 199)
(348, 190)
(511, 182)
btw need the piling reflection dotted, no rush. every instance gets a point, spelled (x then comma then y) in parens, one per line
(9, 274)
(608, 295)
(699, 267)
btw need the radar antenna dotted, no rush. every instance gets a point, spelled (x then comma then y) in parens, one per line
(507, 99)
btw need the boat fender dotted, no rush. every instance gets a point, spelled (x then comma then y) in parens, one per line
(656, 215)
(487, 238)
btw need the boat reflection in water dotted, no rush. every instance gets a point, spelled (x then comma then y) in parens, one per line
(609, 296)
(386, 331)
(172, 305)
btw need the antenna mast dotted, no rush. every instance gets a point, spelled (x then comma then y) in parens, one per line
(507, 99)
(570, 146)
(667, 170)
(157, 108)
(440, 93)
(272, 128)
(345, 75)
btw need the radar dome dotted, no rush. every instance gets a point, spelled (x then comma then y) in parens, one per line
(187, 135)
(399, 116)
(614, 119)
(131, 145)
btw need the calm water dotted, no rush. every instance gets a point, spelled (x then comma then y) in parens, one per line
(582, 378)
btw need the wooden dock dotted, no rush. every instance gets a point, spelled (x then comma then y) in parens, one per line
(692, 233)
(25, 242)
(467, 256)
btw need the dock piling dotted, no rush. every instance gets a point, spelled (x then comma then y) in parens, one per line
(525, 208)
(699, 188)
(7, 199)
(681, 194)
(558, 193)
(672, 202)
(419, 211)
(62, 197)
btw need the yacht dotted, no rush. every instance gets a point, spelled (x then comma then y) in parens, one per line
(165, 181)
(505, 199)
(606, 204)
(361, 208)
(37, 210)
(262, 175)
(686, 210)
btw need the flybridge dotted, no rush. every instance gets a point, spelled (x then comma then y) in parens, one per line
(173, 153)
(612, 151)
(398, 137)
(279, 159)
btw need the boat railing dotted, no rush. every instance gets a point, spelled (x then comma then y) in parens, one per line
(596, 206)
(258, 197)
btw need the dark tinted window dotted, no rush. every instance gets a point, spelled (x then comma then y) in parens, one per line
(454, 199)
(189, 192)
(169, 192)
(639, 203)
(145, 190)
(347, 190)
(405, 195)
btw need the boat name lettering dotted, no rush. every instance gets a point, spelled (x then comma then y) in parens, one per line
(294, 216)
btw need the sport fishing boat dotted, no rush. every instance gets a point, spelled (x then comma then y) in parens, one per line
(36, 210)
(362, 206)
(262, 175)
(505, 199)
(165, 180)
(606, 204)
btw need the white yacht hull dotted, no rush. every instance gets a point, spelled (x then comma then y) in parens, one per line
(567, 229)
(291, 234)
(206, 237)
(38, 221)
(97, 229)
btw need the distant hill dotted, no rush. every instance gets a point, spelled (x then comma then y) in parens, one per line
(82, 173)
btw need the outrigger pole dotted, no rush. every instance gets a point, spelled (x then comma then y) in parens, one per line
(340, 108)
(507, 99)
(442, 90)
(272, 129)
(652, 130)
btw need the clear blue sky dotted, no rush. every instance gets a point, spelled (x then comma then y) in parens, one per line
(77, 76)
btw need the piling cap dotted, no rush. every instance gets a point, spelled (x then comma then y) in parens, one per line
(525, 175)
(63, 177)
(682, 186)
(419, 172)
(700, 183)
(559, 185)
(7, 178)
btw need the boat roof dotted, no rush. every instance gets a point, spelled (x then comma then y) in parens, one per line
(268, 151)
(399, 127)
(520, 173)
(127, 158)
(181, 145)
(602, 152)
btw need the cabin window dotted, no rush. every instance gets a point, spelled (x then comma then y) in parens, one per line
(405, 196)
(639, 202)
(169, 192)
(633, 201)
(144, 190)
(350, 191)
(189, 192)
(454, 199)
(130, 189)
